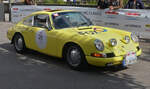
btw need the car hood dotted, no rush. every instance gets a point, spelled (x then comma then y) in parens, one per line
(103, 33)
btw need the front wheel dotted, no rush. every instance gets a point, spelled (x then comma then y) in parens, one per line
(75, 57)
(19, 43)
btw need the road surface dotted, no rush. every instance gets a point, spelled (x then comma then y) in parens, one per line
(34, 70)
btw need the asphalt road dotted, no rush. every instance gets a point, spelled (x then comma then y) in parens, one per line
(33, 70)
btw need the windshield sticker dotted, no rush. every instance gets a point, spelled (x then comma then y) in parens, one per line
(41, 39)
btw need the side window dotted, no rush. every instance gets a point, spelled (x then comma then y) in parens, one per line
(28, 21)
(42, 21)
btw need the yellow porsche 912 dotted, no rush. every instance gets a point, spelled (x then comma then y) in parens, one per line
(70, 35)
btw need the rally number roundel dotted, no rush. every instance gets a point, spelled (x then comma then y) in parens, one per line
(41, 39)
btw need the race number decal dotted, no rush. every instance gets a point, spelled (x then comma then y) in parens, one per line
(41, 39)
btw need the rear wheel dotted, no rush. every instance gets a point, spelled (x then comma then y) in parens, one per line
(75, 57)
(19, 43)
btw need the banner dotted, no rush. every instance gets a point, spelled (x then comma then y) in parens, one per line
(137, 21)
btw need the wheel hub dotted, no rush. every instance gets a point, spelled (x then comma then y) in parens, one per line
(19, 44)
(75, 57)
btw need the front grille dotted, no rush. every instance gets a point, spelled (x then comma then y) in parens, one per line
(110, 55)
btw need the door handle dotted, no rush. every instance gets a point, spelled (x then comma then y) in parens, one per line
(29, 30)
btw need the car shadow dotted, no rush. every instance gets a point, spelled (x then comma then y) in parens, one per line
(94, 75)
(40, 57)
(32, 56)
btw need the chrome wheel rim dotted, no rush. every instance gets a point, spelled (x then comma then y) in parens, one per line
(74, 57)
(19, 43)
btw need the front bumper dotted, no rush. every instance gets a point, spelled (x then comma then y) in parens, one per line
(107, 61)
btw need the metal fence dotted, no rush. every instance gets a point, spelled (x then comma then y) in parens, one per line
(2, 15)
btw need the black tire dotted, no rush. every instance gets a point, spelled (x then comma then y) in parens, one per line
(75, 57)
(19, 44)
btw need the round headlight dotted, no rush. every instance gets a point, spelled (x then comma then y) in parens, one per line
(99, 45)
(127, 39)
(113, 42)
(134, 38)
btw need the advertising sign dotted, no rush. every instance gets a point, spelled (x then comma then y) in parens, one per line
(137, 21)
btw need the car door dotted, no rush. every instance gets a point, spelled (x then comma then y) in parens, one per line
(42, 36)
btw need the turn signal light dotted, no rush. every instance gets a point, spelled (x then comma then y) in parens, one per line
(98, 55)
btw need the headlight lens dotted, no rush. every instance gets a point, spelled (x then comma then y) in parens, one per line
(127, 39)
(134, 38)
(99, 45)
(113, 42)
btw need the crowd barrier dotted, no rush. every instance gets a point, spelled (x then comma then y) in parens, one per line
(135, 20)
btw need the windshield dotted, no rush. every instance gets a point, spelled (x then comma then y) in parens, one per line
(69, 20)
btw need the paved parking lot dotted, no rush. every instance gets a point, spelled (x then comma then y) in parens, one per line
(33, 70)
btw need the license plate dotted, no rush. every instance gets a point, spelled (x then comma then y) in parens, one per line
(129, 59)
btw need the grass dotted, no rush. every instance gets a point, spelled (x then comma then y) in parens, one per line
(54, 2)
(90, 2)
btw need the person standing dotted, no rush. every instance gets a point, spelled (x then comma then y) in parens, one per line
(29, 2)
(111, 4)
(102, 4)
(115, 4)
(134, 4)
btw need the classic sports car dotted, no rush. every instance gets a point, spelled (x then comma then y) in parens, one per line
(70, 35)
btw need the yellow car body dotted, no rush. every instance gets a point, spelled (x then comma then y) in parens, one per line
(52, 42)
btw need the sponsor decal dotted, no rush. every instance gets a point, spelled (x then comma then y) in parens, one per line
(132, 14)
(41, 39)
(29, 9)
(95, 31)
(111, 13)
(147, 25)
(105, 30)
(15, 9)
(88, 33)
(47, 9)
(92, 13)
(131, 18)
(133, 25)
(15, 15)
(110, 23)
(99, 30)
(97, 20)
(111, 16)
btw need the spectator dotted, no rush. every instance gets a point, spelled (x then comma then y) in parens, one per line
(134, 4)
(29, 2)
(115, 4)
(111, 4)
(102, 4)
